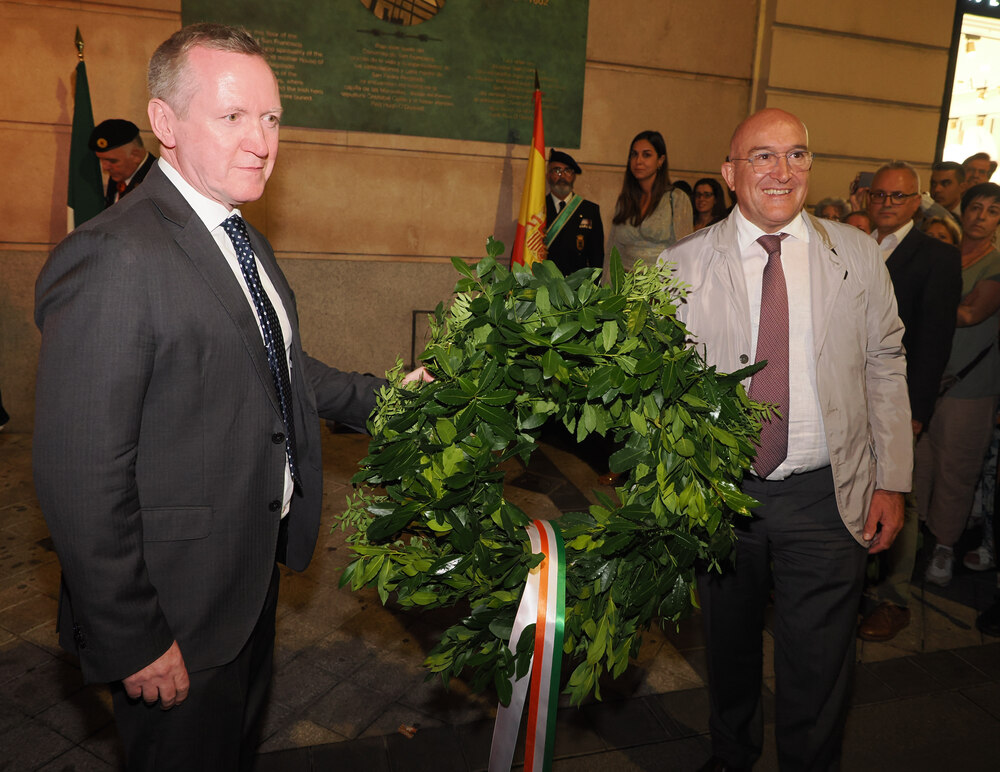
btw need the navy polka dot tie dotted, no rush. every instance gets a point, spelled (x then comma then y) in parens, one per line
(274, 341)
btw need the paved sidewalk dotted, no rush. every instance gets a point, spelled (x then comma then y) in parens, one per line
(348, 674)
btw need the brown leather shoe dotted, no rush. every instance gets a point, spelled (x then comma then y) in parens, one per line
(884, 623)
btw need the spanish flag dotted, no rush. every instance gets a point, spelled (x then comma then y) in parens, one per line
(529, 243)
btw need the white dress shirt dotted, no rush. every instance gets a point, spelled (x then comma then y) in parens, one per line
(891, 241)
(213, 214)
(807, 448)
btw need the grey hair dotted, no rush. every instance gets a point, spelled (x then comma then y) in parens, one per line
(167, 75)
(902, 165)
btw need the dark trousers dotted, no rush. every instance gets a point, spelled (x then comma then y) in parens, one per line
(217, 728)
(796, 539)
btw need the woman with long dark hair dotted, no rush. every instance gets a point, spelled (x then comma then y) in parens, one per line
(709, 203)
(651, 214)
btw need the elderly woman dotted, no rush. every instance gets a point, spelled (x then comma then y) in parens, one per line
(950, 458)
(651, 214)
(943, 228)
(832, 209)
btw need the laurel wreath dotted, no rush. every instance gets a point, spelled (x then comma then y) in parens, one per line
(430, 525)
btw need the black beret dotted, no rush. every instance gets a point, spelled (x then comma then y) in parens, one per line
(112, 133)
(565, 158)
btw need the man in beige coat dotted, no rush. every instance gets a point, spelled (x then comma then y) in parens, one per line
(843, 454)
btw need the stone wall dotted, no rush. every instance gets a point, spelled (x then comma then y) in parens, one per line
(365, 224)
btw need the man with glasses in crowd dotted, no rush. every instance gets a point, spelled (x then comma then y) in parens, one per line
(813, 299)
(926, 276)
(574, 233)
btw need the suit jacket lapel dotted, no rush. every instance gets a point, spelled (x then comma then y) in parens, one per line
(730, 265)
(200, 247)
(827, 273)
(903, 252)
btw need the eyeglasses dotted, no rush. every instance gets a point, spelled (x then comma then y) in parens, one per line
(766, 161)
(562, 171)
(896, 197)
(704, 194)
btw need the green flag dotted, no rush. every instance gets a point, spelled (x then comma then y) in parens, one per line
(86, 194)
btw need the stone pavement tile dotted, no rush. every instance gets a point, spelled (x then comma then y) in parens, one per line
(950, 669)
(367, 755)
(81, 715)
(18, 556)
(905, 677)
(536, 505)
(10, 714)
(24, 520)
(868, 687)
(348, 709)
(28, 614)
(672, 671)
(984, 658)
(626, 723)
(673, 756)
(948, 624)
(77, 760)
(432, 750)
(276, 716)
(296, 632)
(575, 733)
(390, 674)
(682, 713)
(324, 605)
(986, 697)
(106, 745)
(475, 739)
(44, 685)
(291, 760)
(689, 634)
(697, 659)
(299, 682)
(43, 579)
(926, 732)
(340, 653)
(31, 745)
(454, 704)
(299, 733)
(398, 715)
(18, 658)
(387, 630)
(46, 638)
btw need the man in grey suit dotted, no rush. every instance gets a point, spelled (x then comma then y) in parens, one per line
(177, 447)
(812, 297)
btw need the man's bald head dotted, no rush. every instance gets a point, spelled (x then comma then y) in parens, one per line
(768, 167)
(762, 120)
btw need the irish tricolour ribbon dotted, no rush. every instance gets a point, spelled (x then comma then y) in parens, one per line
(543, 604)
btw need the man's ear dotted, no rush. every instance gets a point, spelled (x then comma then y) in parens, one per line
(161, 120)
(728, 174)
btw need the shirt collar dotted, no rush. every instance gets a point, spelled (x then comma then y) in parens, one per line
(747, 233)
(891, 241)
(210, 212)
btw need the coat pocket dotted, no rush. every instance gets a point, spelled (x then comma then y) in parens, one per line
(176, 523)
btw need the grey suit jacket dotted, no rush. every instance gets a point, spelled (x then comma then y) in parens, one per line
(158, 451)
(860, 367)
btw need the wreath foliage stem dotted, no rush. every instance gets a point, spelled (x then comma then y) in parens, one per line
(513, 351)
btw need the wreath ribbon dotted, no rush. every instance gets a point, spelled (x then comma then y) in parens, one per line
(543, 603)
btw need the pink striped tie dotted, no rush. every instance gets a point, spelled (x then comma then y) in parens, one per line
(771, 384)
